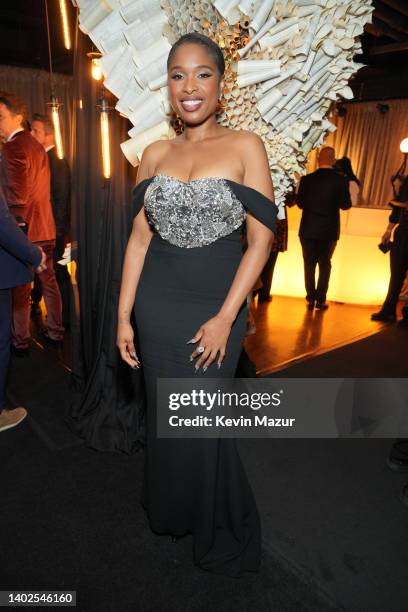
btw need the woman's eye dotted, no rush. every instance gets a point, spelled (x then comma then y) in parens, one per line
(201, 75)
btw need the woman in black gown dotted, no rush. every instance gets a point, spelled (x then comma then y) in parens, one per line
(187, 279)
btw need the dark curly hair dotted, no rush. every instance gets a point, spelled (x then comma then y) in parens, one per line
(194, 38)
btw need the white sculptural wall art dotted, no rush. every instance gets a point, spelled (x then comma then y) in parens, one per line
(287, 62)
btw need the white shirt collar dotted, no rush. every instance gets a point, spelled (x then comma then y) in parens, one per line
(49, 147)
(14, 133)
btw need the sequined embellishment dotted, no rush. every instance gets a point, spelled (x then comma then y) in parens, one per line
(192, 214)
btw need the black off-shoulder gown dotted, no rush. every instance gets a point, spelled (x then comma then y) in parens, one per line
(196, 486)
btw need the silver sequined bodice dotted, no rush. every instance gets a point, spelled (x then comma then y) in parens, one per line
(192, 214)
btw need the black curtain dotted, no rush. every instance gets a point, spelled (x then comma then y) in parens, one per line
(107, 407)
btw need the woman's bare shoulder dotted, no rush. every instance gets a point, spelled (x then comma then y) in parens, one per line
(155, 150)
(150, 158)
(247, 138)
(248, 147)
(246, 143)
(152, 154)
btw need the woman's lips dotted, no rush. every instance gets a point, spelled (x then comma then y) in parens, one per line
(191, 105)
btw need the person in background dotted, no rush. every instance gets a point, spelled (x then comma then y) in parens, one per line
(344, 167)
(320, 195)
(279, 245)
(26, 182)
(16, 255)
(398, 221)
(43, 131)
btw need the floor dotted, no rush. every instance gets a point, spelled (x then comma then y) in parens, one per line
(287, 332)
(333, 526)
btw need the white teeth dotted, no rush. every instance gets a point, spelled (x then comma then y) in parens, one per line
(191, 104)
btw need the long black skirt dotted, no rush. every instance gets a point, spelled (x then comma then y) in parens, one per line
(198, 485)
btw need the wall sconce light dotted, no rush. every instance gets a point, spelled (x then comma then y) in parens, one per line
(105, 142)
(96, 71)
(65, 24)
(404, 146)
(55, 105)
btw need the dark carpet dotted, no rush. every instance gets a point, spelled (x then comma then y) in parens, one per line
(332, 507)
(382, 355)
(41, 383)
(71, 519)
(334, 529)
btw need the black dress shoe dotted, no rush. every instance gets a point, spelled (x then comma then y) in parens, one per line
(48, 341)
(310, 305)
(385, 317)
(322, 305)
(19, 352)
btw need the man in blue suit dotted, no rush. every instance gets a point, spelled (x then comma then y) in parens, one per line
(17, 258)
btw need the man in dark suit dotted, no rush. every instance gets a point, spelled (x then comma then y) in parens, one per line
(321, 195)
(43, 131)
(16, 255)
(27, 191)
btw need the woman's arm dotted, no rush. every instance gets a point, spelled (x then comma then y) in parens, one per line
(259, 238)
(132, 267)
(393, 221)
(386, 237)
(354, 192)
(213, 335)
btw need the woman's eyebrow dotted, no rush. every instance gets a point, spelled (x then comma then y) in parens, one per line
(201, 66)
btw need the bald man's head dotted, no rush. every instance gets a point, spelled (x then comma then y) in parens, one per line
(327, 156)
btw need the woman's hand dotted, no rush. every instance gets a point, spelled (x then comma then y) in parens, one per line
(212, 338)
(125, 344)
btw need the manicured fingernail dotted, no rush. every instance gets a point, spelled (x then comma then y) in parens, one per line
(197, 367)
(190, 341)
(218, 365)
(191, 358)
(204, 369)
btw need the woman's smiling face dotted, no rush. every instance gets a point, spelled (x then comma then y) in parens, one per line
(194, 83)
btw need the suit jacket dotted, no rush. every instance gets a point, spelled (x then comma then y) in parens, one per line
(16, 251)
(60, 192)
(321, 195)
(27, 185)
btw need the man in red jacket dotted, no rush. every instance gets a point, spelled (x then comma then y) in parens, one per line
(26, 181)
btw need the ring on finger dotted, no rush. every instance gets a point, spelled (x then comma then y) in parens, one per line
(201, 349)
